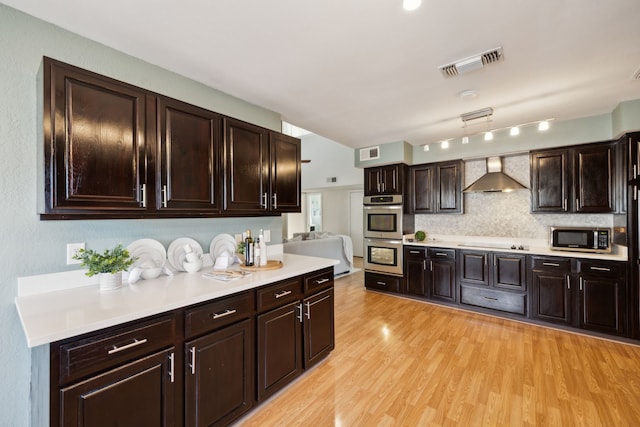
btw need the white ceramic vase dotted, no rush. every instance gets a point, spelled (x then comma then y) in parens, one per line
(109, 281)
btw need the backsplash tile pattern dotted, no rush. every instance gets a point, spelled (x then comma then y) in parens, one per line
(503, 214)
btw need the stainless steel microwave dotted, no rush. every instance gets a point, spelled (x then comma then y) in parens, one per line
(587, 239)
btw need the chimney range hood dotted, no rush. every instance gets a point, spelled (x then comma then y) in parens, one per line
(494, 180)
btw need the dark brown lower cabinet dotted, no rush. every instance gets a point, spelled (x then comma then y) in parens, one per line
(237, 350)
(602, 294)
(279, 348)
(551, 289)
(219, 376)
(139, 393)
(442, 274)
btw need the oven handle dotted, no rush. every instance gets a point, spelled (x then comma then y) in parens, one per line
(392, 242)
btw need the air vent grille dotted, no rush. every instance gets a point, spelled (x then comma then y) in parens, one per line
(472, 63)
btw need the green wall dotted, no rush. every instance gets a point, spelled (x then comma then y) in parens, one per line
(30, 246)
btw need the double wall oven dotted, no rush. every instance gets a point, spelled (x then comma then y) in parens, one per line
(384, 225)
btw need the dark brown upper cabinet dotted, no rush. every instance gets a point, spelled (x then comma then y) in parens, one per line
(113, 150)
(436, 187)
(261, 170)
(95, 148)
(188, 156)
(579, 179)
(384, 180)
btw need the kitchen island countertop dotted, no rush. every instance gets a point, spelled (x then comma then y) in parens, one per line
(66, 312)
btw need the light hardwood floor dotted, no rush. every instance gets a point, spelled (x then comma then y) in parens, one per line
(400, 362)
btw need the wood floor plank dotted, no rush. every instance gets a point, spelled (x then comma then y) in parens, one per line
(400, 362)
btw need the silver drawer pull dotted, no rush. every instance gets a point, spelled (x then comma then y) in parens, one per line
(414, 252)
(601, 268)
(551, 264)
(491, 299)
(321, 281)
(381, 283)
(227, 312)
(136, 342)
(282, 294)
(440, 254)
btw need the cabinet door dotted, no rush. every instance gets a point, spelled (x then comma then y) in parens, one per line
(550, 181)
(391, 179)
(551, 296)
(443, 280)
(279, 348)
(319, 327)
(422, 198)
(285, 173)
(140, 393)
(602, 304)
(246, 167)
(595, 178)
(509, 271)
(372, 181)
(449, 187)
(415, 276)
(219, 376)
(94, 130)
(474, 267)
(188, 160)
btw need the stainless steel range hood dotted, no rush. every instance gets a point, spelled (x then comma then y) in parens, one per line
(494, 180)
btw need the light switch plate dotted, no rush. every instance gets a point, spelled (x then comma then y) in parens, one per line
(72, 248)
(267, 236)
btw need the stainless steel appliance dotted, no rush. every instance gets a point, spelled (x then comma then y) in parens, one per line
(384, 217)
(383, 256)
(581, 239)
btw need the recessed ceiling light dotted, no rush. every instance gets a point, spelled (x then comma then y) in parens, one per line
(426, 147)
(514, 131)
(544, 125)
(465, 139)
(488, 136)
(411, 4)
(444, 144)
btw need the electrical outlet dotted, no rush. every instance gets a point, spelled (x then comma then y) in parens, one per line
(72, 248)
(267, 236)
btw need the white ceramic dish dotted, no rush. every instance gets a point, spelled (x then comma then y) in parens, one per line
(176, 253)
(222, 244)
(150, 254)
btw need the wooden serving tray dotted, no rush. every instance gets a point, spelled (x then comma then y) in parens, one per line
(272, 264)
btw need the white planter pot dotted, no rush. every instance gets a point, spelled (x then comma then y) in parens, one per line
(110, 282)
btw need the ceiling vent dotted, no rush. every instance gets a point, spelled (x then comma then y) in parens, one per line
(370, 153)
(472, 63)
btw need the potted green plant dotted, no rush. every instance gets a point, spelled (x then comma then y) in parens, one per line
(108, 265)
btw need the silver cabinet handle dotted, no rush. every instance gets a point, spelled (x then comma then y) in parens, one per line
(568, 282)
(227, 312)
(440, 254)
(414, 252)
(263, 202)
(321, 281)
(308, 313)
(600, 268)
(136, 342)
(171, 367)
(551, 264)
(635, 192)
(164, 196)
(143, 195)
(635, 171)
(381, 283)
(564, 205)
(581, 280)
(299, 315)
(192, 365)
(430, 265)
(275, 200)
(490, 298)
(281, 294)
(577, 203)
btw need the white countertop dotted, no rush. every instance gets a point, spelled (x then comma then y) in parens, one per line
(62, 313)
(534, 246)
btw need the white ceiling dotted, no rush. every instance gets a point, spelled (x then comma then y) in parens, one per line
(364, 72)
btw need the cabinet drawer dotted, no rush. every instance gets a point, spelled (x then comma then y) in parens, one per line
(559, 264)
(383, 282)
(279, 293)
(437, 253)
(594, 266)
(319, 280)
(415, 252)
(101, 351)
(496, 300)
(217, 313)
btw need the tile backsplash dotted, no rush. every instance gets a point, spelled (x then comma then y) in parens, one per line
(503, 214)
